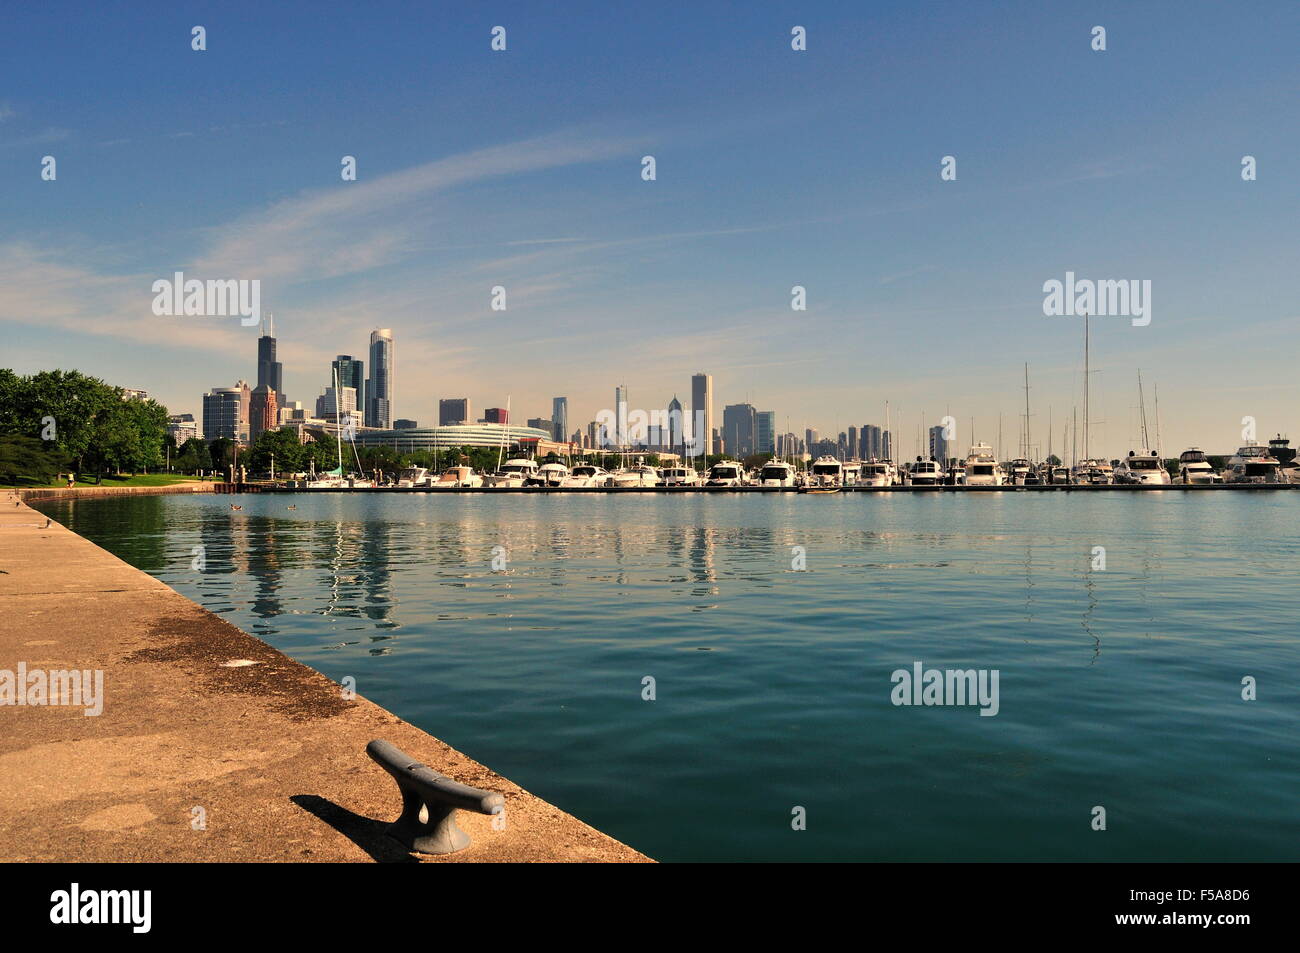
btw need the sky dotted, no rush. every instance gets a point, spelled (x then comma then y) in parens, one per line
(819, 168)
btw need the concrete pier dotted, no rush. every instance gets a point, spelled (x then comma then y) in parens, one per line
(196, 759)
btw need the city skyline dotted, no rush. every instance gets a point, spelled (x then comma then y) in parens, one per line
(818, 169)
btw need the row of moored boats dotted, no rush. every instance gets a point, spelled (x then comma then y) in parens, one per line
(1274, 463)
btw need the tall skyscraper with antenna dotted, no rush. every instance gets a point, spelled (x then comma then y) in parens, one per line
(270, 372)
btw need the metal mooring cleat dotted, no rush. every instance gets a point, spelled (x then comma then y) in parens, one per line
(429, 802)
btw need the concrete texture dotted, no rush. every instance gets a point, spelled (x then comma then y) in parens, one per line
(272, 752)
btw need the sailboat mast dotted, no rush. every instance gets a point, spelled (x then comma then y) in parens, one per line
(1142, 404)
(502, 449)
(1087, 386)
(338, 420)
(1159, 453)
(1026, 453)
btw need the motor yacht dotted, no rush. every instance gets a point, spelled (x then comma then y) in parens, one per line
(548, 475)
(826, 472)
(981, 468)
(1253, 464)
(1194, 467)
(776, 473)
(726, 473)
(640, 475)
(514, 472)
(585, 475)
(924, 473)
(680, 476)
(456, 477)
(1144, 468)
(413, 477)
(877, 473)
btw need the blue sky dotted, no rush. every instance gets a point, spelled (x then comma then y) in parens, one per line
(775, 168)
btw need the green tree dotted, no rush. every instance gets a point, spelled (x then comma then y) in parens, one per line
(26, 459)
(290, 456)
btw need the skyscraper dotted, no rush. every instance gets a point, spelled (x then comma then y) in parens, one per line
(453, 411)
(351, 373)
(262, 413)
(620, 415)
(739, 423)
(270, 372)
(765, 432)
(221, 413)
(496, 415)
(245, 395)
(938, 444)
(701, 431)
(560, 418)
(379, 388)
(674, 437)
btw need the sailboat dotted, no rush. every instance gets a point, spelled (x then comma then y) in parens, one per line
(336, 479)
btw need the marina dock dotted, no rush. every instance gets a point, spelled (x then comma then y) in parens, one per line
(211, 744)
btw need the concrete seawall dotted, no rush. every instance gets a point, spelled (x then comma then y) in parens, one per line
(193, 759)
(95, 492)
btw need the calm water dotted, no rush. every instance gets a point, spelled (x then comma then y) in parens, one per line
(1119, 688)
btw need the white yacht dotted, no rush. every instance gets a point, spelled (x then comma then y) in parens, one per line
(877, 473)
(923, 473)
(585, 475)
(981, 468)
(454, 478)
(827, 471)
(680, 476)
(776, 473)
(640, 475)
(1253, 464)
(1094, 472)
(335, 480)
(1018, 471)
(514, 472)
(726, 473)
(1143, 468)
(413, 477)
(852, 473)
(548, 474)
(956, 473)
(1194, 467)
(1057, 475)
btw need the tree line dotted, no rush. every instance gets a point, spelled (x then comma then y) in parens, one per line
(56, 422)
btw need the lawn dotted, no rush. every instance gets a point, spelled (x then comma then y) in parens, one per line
(139, 479)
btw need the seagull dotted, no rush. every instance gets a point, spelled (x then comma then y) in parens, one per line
(234, 507)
